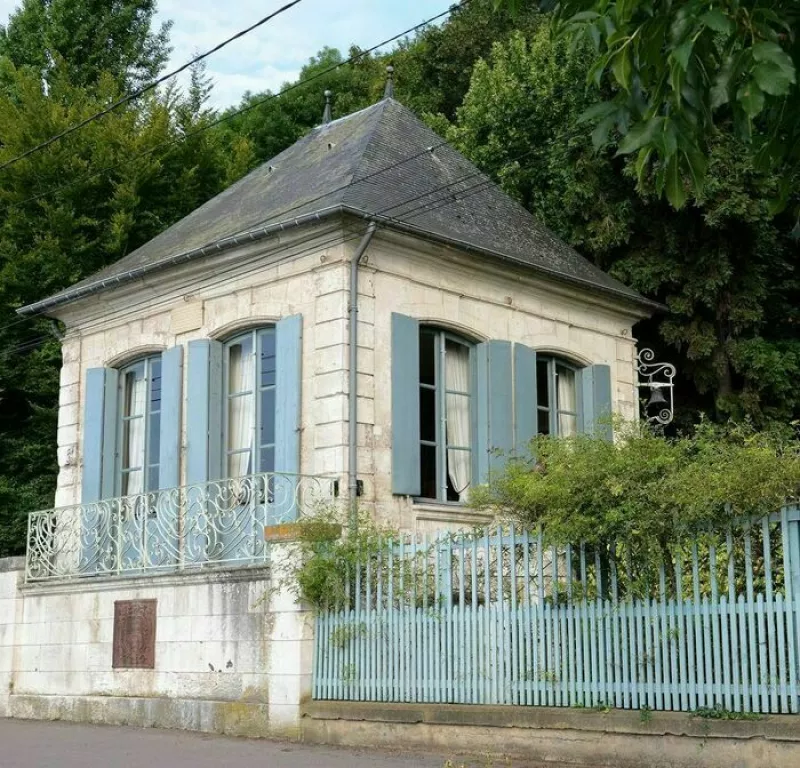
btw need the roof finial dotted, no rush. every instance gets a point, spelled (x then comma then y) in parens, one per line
(326, 115)
(388, 91)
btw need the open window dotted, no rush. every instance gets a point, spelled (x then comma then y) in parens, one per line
(445, 415)
(139, 427)
(249, 364)
(556, 396)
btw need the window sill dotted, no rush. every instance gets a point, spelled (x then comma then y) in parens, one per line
(448, 512)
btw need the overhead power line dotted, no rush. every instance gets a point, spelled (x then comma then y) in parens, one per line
(146, 88)
(231, 115)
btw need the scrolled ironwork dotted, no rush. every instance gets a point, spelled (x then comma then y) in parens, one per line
(660, 376)
(217, 523)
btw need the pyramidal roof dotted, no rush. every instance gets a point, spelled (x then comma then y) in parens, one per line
(382, 163)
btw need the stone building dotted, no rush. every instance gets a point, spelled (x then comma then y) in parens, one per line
(364, 315)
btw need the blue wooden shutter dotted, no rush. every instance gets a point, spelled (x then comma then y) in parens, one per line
(526, 416)
(494, 387)
(99, 434)
(406, 477)
(204, 448)
(169, 472)
(288, 391)
(594, 401)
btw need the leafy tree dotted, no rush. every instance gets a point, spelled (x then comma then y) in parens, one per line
(725, 269)
(683, 69)
(88, 39)
(128, 177)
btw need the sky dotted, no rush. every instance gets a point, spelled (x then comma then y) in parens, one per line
(274, 53)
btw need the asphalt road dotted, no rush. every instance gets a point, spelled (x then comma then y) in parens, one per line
(33, 744)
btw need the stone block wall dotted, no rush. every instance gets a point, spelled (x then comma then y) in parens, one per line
(225, 637)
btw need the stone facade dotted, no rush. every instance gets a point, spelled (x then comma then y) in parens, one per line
(307, 272)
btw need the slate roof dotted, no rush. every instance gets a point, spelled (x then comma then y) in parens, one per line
(385, 164)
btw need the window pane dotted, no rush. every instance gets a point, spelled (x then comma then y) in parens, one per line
(544, 422)
(155, 384)
(542, 386)
(240, 366)
(239, 464)
(134, 392)
(567, 424)
(133, 443)
(132, 482)
(458, 420)
(427, 414)
(459, 474)
(565, 380)
(266, 461)
(428, 472)
(267, 359)
(267, 427)
(427, 357)
(240, 422)
(154, 441)
(152, 478)
(457, 374)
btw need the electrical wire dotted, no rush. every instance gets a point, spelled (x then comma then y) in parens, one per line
(229, 116)
(145, 89)
(424, 201)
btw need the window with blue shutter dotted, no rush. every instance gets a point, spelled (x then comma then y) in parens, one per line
(131, 449)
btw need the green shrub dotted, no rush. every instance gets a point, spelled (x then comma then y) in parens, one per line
(645, 487)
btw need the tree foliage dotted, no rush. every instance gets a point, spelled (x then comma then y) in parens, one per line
(682, 70)
(87, 40)
(725, 268)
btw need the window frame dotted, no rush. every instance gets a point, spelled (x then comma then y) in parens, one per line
(441, 337)
(552, 410)
(256, 390)
(148, 463)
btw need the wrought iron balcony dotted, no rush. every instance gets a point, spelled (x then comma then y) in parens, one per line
(219, 524)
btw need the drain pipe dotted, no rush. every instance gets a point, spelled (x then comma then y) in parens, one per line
(352, 402)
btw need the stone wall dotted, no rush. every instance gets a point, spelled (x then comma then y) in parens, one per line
(230, 638)
(10, 616)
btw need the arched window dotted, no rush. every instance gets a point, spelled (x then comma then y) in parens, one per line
(445, 393)
(140, 426)
(556, 396)
(249, 412)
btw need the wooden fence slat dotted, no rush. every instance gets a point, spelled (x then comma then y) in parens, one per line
(746, 649)
(780, 616)
(733, 623)
(755, 704)
(791, 560)
(771, 620)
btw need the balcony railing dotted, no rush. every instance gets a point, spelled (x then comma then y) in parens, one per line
(220, 523)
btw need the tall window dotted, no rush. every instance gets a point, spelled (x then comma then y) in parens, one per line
(445, 415)
(249, 425)
(140, 433)
(556, 397)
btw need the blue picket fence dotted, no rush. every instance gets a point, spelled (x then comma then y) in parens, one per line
(498, 617)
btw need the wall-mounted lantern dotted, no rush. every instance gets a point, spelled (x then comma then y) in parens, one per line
(659, 379)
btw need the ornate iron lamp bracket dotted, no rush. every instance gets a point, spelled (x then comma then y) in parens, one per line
(659, 379)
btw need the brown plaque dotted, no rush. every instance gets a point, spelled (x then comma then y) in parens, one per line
(134, 634)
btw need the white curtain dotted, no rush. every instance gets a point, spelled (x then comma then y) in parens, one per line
(567, 422)
(457, 414)
(135, 406)
(240, 414)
